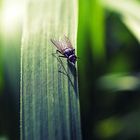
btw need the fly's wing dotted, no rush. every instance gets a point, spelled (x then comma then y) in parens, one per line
(63, 44)
(68, 43)
(58, 45)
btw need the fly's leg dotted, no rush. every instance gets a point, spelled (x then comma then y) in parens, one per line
(58, 58)
(61, 56)
(57, 51)
(60, 61)
(62, 66)
(62, 72)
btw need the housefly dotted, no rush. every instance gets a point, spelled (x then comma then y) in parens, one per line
(65, 48)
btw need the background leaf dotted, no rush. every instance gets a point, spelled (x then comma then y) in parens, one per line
(128, 10)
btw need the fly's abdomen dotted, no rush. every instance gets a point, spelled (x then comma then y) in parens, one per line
(72, 58)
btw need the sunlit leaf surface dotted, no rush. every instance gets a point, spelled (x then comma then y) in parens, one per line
(49, 92)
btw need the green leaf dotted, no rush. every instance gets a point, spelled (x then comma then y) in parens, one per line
(133, 25)
(49, 91)
(129, 11)
(97, 26)
(1, 73)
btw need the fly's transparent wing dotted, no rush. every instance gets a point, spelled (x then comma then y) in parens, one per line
(58, 45)
(67, 41)
(63, 44)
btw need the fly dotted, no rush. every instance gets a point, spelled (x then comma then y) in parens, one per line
(65, 48)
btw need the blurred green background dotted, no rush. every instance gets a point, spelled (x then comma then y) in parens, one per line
(109, 78)
(109, 82)
(10, 40)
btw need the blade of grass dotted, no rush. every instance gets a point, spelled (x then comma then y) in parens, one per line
(1, 71)
(1, 53)
(97, 26)
(128, 10)
(49, 102)
(133, 25)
